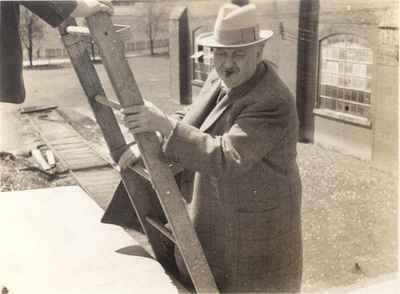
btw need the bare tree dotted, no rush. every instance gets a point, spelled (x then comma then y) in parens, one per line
(155, 16)
(31, 31)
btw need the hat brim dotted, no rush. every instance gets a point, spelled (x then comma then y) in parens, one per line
(208, 39)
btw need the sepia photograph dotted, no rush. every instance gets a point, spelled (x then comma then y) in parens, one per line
(199, 146)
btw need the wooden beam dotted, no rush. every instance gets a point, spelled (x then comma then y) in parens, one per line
(112, 53)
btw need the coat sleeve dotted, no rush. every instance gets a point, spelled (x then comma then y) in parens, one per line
(257, 129)
(52, 12)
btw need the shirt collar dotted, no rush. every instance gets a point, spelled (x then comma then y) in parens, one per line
(244, 88)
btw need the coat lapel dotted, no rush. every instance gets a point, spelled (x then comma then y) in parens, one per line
(233, 95)
(216, 113)
(203, 114)
(204, 103)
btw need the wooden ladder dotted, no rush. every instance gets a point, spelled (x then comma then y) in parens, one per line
(145, 200)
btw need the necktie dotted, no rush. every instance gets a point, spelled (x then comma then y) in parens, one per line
(222, 93)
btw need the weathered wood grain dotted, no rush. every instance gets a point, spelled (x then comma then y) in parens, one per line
(163, 181)
(140, 191)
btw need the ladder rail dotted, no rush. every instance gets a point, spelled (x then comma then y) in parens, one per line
(163, 181)
(128, 94)
(115, 141)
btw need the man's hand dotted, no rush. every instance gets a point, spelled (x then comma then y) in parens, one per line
(147, 118)
(87, 8)
(130, 157)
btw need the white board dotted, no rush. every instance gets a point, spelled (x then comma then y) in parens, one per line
(52, 241)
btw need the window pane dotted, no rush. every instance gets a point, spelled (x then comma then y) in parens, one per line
(339, 106)
(354, 95)
(347, 82)
(360, 110)
(361, 96)
(340, 93)
(347, 94)
(323, 102)
(333, 66)
(328, 91)
(334, 92)
(367, 97)
(346, 71)
(333, 104)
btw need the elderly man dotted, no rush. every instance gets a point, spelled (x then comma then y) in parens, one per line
(238, 144)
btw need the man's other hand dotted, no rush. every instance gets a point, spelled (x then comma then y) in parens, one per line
(130, 157)
(87, 8)
(147, 118)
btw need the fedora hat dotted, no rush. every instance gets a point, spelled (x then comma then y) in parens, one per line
(236, 26)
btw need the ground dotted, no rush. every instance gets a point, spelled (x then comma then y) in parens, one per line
(349, 207)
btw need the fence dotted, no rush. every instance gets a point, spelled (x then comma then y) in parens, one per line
(130, 47)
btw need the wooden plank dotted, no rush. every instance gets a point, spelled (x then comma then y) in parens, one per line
(85, 174)
(56, 136)
(96, 175)
(61, 145)
(65, 145)
(96, 179)
(89, 158)
(128, 94)
(102, 185)
(92, 87)
(75, 152)
(53, 243)
(33, 109)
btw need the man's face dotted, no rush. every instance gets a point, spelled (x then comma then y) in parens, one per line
(236, 65)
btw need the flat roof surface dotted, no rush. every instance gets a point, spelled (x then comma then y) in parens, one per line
(52, 241)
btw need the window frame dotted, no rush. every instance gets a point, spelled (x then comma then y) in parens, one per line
(349, 117)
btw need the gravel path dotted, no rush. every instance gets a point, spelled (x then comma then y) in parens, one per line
(349, 219)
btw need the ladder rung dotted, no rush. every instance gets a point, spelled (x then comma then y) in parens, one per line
(105, 101)
(161, 228)
(122, 30)
(83, 31)
(141, 171)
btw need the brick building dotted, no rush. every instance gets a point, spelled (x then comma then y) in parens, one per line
(356, 90)
(355, 105)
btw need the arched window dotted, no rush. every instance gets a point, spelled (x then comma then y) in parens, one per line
(345, 75)
(203, 63)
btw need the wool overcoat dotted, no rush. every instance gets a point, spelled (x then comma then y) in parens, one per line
(11, 80)
(242, 183)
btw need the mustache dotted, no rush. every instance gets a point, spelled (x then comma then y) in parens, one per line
(230, 71)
